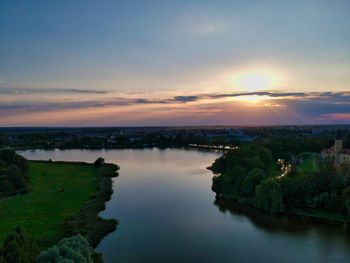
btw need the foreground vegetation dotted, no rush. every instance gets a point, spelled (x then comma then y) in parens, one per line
(65, 199)
(250, 175)
(14, 174)
(73, 249)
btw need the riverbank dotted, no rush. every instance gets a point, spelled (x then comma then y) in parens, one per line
(66, 198)
(88, 222)
(316, 217)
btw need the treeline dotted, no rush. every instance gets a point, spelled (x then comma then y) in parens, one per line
(283, 146)
(251, 175)
(66, 141)
(14, 174)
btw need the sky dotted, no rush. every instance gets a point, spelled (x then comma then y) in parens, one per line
(165, 63)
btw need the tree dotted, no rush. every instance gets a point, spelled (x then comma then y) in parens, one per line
(14, 173)
(18, 248)
(269, 196)
(15, 177)
(238, 174)
(250, 181)
(344, 170)
(295, 189)
(99, 161)
(75, 249)
(221, 184)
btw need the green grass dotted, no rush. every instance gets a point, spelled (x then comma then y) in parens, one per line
(310, 162)
(42, 211)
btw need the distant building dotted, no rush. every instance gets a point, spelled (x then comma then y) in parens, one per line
(337, 152)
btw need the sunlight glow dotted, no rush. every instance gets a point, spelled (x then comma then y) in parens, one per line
(251, 99)
(255, 81)
(255, 78)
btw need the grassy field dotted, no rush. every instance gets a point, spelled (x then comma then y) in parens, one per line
(59, 191)
(310, 162)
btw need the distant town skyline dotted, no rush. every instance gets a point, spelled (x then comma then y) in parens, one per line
(174, 63)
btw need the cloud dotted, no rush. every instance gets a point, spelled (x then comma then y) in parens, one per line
(14, 91)
(176, 99)
(337, 99)
(260, 93)
(316, 107)
(200, 24)
(88, 91)
(344, 116)
(185, 98)
(204, 28)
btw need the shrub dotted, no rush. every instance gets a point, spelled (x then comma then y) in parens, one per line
(99, 161)
(73, 249)
(18, 248)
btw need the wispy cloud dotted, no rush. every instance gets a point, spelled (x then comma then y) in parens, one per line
(337, 116)
(13, 91)
(260, 93)
(337, 98)
(200, 24)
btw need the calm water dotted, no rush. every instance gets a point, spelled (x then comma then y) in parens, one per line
(167, 213)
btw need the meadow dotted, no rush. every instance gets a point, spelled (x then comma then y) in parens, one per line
(309, 162)
(59, 191)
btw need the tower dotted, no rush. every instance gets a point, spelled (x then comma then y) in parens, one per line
(338, 144)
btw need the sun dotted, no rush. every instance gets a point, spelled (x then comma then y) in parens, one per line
(250, 81)
(255, 81)
(247, 82)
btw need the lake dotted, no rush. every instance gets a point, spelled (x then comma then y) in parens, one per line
(167, 213)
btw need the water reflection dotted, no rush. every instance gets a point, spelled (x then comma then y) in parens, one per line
(325, 233)
(261, 221)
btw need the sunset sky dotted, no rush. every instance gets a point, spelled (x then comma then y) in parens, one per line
(147, 63)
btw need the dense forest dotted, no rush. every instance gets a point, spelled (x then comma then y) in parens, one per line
(14, 174)
(252, 175)
(293, 138)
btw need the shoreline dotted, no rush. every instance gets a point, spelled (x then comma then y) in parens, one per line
(317, 218)
(88, 222)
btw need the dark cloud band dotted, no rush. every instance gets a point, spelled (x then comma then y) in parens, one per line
(309, 103)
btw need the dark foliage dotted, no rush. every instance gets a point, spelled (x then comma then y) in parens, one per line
(18, 248)
(99, 161)
(73, 249)
(14, 174)
(249, 175)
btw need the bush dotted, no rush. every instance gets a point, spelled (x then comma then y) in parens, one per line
(18, 248)
(99, 161)
(74, 249)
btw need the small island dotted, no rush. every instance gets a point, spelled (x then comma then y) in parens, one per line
(51, 201)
